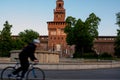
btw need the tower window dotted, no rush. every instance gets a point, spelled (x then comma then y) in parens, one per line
(60, 5)
(62, 38)
(51, 38)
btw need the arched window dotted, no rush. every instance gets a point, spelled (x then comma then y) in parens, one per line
(60, 5)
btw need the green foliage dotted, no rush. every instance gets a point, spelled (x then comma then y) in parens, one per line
(118, 19)
(77, 55)
(24, 38)
(117, 41)
(90, 55)
(92, 23)
(5, 40)
(105, 56)
(7, 43)
(27, 36)
(17, 44)
(81, 34)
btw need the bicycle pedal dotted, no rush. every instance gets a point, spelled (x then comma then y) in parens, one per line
(11, 75)
(13, 78)
(18, 79)
(21, 79)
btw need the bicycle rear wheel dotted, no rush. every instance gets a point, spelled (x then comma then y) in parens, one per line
(35, 74)
(5, 74)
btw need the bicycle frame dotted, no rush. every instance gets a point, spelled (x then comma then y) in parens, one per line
(17, 64)
(32, 69)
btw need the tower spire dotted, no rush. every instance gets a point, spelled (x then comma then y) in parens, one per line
(59, 11)
(59, 0)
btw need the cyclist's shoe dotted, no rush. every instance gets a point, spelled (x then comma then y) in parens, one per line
(12, 75)
(20, 79)
(23, 79)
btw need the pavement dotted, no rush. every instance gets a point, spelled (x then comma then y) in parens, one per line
(70, 64)
(75, 79)
(82, 79)
(73, 64)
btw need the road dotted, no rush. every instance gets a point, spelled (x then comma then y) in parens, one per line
(91, 74)
(94, 74)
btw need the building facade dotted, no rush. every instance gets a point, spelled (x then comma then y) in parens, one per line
(105, 44)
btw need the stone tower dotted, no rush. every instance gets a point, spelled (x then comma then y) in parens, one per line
(56, 35)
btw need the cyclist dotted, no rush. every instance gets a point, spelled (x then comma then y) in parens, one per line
(27, 52)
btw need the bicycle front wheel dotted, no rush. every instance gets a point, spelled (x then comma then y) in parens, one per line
(35, 74)
(5, 74)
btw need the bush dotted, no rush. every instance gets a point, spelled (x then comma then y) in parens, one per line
(76, 55)
(85, 55)
(105, 56)
(90, 55)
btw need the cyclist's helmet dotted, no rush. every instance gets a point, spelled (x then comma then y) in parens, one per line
(36, 41)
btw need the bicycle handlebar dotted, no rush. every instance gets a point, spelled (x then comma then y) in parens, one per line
(31, 62)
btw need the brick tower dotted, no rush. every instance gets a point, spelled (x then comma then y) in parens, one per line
(56, 35)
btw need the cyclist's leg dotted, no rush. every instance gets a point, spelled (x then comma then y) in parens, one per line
(25, 67)
(17, 71)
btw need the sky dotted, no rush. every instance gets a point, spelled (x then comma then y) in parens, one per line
(34, 14)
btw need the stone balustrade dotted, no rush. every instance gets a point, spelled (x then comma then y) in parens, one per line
(44, 57)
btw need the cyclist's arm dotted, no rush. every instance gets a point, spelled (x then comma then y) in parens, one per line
(31, 52)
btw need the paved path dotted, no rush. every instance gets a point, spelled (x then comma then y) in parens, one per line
(83, 79)
(91, 74)
(78, 70)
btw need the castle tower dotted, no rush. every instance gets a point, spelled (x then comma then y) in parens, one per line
(59, 12)
(56, 35)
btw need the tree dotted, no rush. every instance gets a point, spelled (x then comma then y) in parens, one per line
(17, 44)
(24, 38)
(7, 43)
(27, 36)
(118, 19)
(117, 41)
(82, 34)
(5, 40)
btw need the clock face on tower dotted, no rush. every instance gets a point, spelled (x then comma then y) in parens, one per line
(59, 16)
(59, 11)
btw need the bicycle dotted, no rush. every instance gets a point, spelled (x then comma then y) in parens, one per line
(34, 73)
